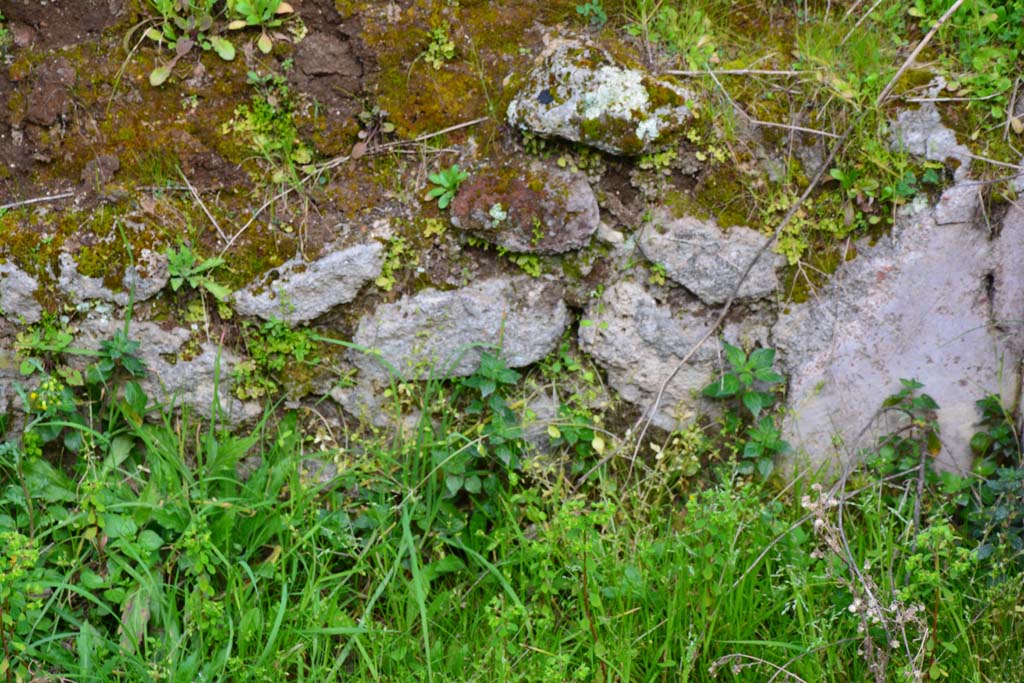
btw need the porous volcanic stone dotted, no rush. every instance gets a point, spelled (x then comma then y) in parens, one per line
(533, 208)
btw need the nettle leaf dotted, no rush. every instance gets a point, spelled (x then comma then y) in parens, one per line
(221, 292)
(768, 375)
(735, 355)
(728, 385)
(762, 358)
(754, 401)
(753, 450)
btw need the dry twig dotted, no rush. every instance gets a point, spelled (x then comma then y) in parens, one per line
(36, 200)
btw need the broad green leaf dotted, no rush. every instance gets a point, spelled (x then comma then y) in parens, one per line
(91, 579)
(118, 526)
(762, 358)
(768, 376)
(446, 565)
(735, 355)
(752, 400)
(220, 291)
(223, 47)
(980, 443)
(159, 75)
(453, 483)
(727, 386)
(150, 540)
(265, 44)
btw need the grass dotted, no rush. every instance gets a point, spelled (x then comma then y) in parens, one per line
(176, 549)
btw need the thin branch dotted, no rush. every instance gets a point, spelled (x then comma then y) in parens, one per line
(859, 21)
(799, 129)
(644, 421)
(202, 204)
(36, 200)
(252, 218)
(952, 99)
(917, 50)
(1011, 108)
(826, 164)
(1016, 167)
(739, 72)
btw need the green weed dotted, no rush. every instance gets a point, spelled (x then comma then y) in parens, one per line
(446, 184)
(182, 26)
(267, 124)
(272, 347)
(185, 268)
(745, 382)
(264, 14)
(592, 12)
(441, 47)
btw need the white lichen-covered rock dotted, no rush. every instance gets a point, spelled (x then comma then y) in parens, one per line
(942, 304)
(921, 132)
(17, 295)
(709, 261)
(581, 93)
(440, 333)
(196, 381)
(299, 291)
(144, 280)
(435, 334)
(640, 340)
